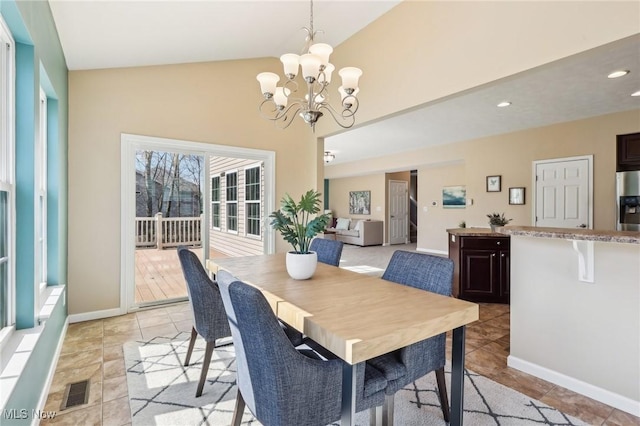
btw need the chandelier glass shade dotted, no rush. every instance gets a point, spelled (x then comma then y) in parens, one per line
(282, 103)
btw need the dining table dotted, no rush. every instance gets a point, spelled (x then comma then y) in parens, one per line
(357, 316)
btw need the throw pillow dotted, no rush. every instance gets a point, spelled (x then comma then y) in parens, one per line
(343, 223)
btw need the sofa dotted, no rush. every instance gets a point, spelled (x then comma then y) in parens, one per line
(359, 232)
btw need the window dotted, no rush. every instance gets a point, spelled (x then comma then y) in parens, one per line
(215, 202)
(40, 179)
(252, 197)
(232, 201)
(7, 181)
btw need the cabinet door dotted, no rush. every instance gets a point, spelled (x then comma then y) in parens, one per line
(480, 275)
(505, 277)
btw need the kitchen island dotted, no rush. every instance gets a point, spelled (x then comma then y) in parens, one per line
(575, 310)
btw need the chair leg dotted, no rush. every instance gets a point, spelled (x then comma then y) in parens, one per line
(205, 366)
(238, 410)
(442, 393)
(387, 410)
(192, 342)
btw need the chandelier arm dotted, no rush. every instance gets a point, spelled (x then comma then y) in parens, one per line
(348, 119)
(286, 121)
(280, 114)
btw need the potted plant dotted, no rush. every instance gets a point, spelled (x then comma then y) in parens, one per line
(295, 222)
(497, 219)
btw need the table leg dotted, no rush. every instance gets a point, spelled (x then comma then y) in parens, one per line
(348, 394)
(457, 376)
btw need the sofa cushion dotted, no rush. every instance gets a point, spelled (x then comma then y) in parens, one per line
(355, 225)
(349, 232)
(343, 223)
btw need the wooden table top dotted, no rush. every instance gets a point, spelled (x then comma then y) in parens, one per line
(355, 316)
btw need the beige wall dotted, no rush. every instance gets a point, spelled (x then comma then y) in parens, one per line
(510, 155)
(580, 321)
(422, 51)
(339, 195)
(440, 48)
(206, 102)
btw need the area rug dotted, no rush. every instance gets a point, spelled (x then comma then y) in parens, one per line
(162, 392)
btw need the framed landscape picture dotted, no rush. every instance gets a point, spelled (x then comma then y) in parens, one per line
(454, 197)
(359, 202)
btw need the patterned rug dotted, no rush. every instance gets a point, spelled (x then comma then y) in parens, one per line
(162, 392)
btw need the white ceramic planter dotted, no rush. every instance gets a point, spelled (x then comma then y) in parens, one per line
(301, 266)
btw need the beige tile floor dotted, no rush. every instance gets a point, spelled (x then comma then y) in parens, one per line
(93, 349)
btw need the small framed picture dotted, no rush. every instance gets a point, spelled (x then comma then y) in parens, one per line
(516, 195)
(493, 183)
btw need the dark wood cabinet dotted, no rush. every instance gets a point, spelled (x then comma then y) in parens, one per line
(481, 267)
(628, 152)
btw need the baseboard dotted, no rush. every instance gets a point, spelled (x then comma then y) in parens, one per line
(599, 394)
(52, 372)
(88, 316)
(432, 251)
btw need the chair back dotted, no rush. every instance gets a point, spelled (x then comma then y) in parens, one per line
(279, 385)
(421, 270)
(329, 251)
(209, 318)
(243, 380)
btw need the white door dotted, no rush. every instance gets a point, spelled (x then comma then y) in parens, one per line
(398, 212)
(563, 193)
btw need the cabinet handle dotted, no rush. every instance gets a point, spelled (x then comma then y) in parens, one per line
(502, 255)
(493, 254)
(498, 243)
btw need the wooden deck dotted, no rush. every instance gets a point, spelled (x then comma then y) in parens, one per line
(159, 275)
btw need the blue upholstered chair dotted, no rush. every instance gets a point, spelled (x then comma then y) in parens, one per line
(280, 385)
(329, 251)
(406, 365)
(209, 317)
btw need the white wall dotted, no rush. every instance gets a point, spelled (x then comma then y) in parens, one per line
(582, 336)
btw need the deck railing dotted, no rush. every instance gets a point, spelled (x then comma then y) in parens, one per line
(163, 232)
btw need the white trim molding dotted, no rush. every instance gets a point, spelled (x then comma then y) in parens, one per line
(594, 392)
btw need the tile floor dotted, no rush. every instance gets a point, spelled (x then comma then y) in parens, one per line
(93, 349)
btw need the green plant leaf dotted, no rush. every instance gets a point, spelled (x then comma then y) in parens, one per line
(294, 220)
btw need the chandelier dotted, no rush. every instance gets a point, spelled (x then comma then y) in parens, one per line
(280, 104)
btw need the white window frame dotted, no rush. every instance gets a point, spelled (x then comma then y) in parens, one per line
(218, 202)
(40, 217)
(248, 202)
(227, 202)
(7, 171)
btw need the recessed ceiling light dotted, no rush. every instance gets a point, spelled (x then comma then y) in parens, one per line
(504, 104)
(617, 74)
(637, 93)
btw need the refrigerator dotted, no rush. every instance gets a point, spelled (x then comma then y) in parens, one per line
(628, 201)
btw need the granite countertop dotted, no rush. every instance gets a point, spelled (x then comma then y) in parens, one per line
(474, 232)
(630, 237)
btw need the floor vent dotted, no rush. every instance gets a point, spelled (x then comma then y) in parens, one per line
(75, 394)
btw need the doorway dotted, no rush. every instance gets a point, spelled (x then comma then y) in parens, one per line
(169, 213)
(167, 201)
(563, 192)
(398, 212)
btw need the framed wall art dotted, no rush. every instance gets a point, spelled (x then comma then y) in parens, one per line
(359, 202)
(494, 183)
(516, 195)
(454, 197)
